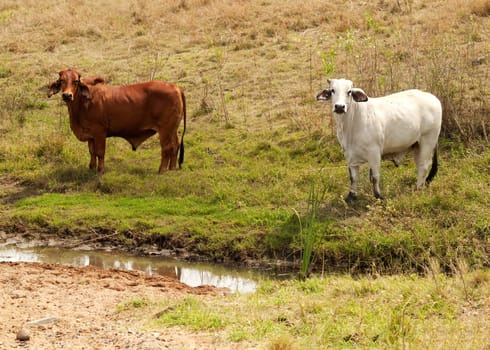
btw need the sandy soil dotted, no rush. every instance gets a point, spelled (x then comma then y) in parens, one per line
(75, 308)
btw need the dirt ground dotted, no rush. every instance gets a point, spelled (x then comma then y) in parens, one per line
(64, 307)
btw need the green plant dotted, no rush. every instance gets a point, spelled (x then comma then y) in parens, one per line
(309, 231)
(328, 62)
(136, 303)
(192, 313)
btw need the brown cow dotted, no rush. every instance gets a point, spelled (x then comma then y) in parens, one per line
(133, 112)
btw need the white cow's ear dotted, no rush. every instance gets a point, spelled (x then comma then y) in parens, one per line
(324, 95)
(359, 95)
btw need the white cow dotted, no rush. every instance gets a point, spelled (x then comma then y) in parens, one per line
(370, 129)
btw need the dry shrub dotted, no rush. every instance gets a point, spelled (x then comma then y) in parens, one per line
(461, 90)
(480, 7)
(444, 54)
(345, 22)
(283, 342)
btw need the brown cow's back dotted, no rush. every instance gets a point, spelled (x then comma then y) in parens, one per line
(152, 105)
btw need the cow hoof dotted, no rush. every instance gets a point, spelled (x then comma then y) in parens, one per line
(351, 197)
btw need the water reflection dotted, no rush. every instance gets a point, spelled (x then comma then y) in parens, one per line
(194, 275)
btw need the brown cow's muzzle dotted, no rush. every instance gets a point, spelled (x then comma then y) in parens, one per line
(67, 96)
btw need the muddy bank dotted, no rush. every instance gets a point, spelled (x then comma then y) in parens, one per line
(65, 307)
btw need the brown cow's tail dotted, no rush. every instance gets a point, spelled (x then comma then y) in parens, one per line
(181, 152)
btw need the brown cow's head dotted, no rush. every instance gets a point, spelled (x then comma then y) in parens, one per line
(70, 84)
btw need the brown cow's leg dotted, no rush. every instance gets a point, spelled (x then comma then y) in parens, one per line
(165, 160)
(164, 163)
(100, 152)
(166, 145)
(174, 151)
(91, 149)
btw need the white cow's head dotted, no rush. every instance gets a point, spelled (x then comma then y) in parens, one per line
(342, 93)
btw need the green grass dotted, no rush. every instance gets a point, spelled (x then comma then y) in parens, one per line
(339, 312)
(192, 313)
(237, 214)
(136, 303)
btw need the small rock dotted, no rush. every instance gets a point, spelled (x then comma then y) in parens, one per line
(3, 236)
(479, 61)
(23, 335)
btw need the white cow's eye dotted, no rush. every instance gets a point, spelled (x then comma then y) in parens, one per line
(332, 91)
(349, 93)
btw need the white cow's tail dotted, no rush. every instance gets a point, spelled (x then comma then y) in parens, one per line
(433, 169)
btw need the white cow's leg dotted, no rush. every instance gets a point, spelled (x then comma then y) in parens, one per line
(354, 179)
(374, 174)
(423, 160)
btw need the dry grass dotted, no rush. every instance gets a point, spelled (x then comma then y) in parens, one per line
(265, 54)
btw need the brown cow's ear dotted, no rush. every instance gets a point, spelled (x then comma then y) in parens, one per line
(99, 80)
(84, 91)
(54, 88)
(93, 80)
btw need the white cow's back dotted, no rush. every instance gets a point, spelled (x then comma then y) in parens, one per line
(405, 117)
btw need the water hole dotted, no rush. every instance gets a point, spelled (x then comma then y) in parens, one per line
(192, 274)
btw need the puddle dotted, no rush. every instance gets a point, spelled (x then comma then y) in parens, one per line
(192, 274)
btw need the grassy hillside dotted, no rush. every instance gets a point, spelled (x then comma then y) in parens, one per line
(257, 140)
